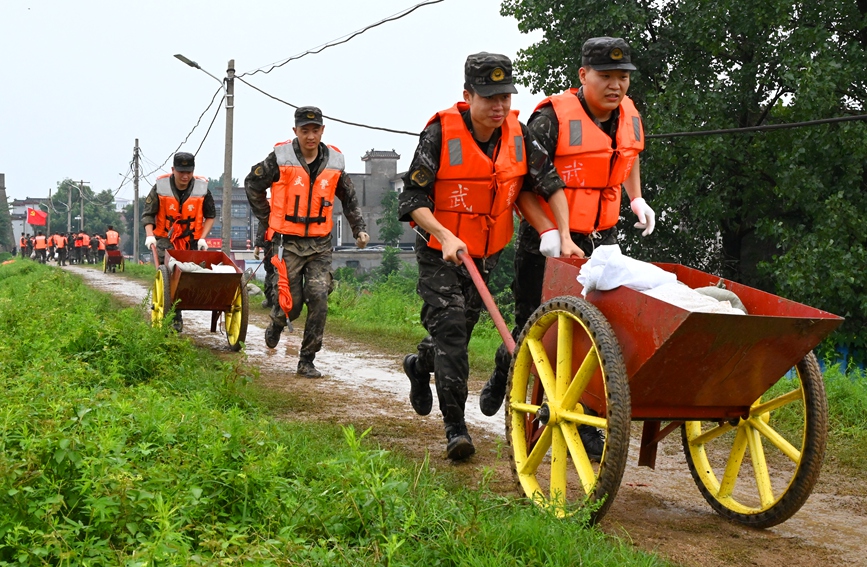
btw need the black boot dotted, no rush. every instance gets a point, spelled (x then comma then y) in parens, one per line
(419, 385)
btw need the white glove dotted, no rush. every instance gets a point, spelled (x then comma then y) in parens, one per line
(203, 245)
(646, 216)
(362, 240)
(549, 245)
(256, 253)
(150, 241)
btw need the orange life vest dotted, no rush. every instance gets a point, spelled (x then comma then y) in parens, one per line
(473, 194)
(85, 240)
(592, 170)
(40, 243)
(23, 242)
(101, 243)
(60, 241)
(112, 237)
(180, 225)
(301, 206)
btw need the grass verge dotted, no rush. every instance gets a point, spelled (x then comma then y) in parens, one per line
(124, 445)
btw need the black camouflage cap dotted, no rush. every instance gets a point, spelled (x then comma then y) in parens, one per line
(307, 115)
(489, 74)
(184, 161)
(606, 53)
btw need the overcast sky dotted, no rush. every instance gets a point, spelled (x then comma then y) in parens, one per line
(84, 79)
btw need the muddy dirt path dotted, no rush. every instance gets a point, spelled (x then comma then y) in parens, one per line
(658, 510)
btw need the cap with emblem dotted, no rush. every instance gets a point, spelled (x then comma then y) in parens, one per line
(307, 115)
(606, 53)
(489, 74)
(184, 161)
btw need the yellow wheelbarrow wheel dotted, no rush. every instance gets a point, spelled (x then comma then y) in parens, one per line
(759, 470)
(160, 296)
(236, 318)
(105, 264)
(544, 408)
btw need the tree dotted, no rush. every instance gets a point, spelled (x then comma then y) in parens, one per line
(390, 227)
(99, 208)
(776, 210)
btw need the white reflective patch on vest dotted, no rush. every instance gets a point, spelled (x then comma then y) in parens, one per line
(519, 149)
(456, 154)
(335, 160)
(575, 133)
(636, 126)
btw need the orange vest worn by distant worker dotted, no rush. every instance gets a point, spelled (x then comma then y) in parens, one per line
(111, 238)
(473, 195)
(40, 243)
(180, 226)
(592, 170)
(300, 207)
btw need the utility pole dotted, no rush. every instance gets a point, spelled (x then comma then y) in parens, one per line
(227, 163)
(69, 209)
(135, 211)
(81, 194)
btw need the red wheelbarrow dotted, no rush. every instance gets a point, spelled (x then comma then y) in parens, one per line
(220, 293)
(745, 391)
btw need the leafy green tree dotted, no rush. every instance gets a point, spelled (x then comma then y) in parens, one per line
(99, 208)
(390, 228)
(217, 184)
(778, 210)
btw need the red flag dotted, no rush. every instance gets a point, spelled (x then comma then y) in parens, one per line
(36, 217)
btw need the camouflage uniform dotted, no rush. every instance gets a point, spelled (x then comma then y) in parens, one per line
(152, 207)
(452, 304)
(308, 259)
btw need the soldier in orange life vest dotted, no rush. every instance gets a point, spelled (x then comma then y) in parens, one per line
(112, 238)
(178, 213)
(22, 245)
(85, 247)
(304, 176)
(60, 244)
(474, 162)
(595, 135)
(40, 245)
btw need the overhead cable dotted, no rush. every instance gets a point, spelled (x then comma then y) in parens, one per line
(331, 117)
(764, 128)
(343, 39)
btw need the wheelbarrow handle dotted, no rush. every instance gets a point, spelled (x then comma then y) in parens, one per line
(488, 300)
(155, 256)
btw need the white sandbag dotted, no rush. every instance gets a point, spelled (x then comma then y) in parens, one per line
(683, 296)
(608, 269)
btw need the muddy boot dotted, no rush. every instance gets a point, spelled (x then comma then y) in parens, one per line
(272, 335)
(593, 439)
(419, 385)
(307, 370)
(493, 393)
(178, 322)
(460, 445)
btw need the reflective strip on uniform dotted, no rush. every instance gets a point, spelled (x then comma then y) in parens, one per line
(636, 126)
(164, 187)
(519, 148)
(456, 154)
(575, 133)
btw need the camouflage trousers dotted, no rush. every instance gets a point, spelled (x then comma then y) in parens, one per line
(529, 273)
(310, 283)
(451, 309)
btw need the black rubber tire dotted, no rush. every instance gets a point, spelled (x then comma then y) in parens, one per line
(617, 412)
(805, 471)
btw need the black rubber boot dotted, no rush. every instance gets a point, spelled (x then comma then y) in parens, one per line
(420, 395)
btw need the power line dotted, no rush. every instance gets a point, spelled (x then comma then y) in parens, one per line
(214, 119)
(188, 135)
(343, 39)
(759, 128)
(331, 117)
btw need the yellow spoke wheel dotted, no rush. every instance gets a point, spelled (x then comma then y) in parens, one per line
(160, 296)
(104, 264)
(548, 391)
(236, 318)
(122, 263)
(759, 470)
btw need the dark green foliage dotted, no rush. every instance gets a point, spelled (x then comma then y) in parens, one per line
(390, 228)
(777, 210)
(99, 209)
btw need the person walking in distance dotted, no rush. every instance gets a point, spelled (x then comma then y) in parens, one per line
(303, 175)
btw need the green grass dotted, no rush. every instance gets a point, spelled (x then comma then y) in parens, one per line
(122, 444)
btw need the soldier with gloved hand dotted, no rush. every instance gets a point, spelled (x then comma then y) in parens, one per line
(303, 176)
(178, 213)
(594, 134)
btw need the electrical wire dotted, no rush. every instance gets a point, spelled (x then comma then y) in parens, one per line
(765, 128)
(381, 128)
(342, 39)
(209, 127)
(199, 121)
